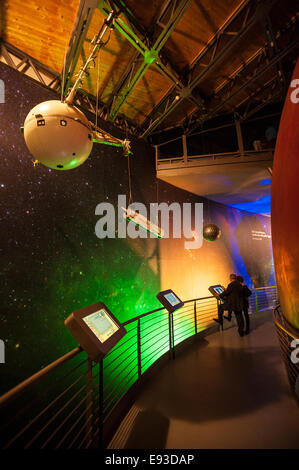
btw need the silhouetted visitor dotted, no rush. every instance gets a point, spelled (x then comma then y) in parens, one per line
(233, 301)
(246, 293)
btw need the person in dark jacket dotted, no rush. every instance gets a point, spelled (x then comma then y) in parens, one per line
(233, 301)
(246, 293)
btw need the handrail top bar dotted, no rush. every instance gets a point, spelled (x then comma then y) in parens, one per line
(212, 155)
(162, 308)
(289, 329)
(131, 320)
(142, 315)
(279, 325)
(21, 387)
(232, 124)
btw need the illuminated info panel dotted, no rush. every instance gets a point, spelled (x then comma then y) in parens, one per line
(170, 300)
(216, 290)
(101, 324)
(96, 329)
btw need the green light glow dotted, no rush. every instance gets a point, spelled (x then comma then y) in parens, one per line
(113, 144)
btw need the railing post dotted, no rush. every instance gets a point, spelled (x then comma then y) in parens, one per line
(218, 307)
(171, 336)
(101, 404)
(256, 302)
(195, 318)
(172, 330)
(89, 401)
(239, 137)
(138, 349)
(156, 155)
(170, 340)
(185, 151)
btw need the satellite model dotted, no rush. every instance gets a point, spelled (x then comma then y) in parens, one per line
(58, 134)
(143, 222)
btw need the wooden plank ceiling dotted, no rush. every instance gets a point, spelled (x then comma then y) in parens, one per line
(43, 30)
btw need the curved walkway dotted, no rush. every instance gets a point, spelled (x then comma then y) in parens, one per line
(223, 392)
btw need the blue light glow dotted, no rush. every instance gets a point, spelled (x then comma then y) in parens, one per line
(261, 206)
(265, 181)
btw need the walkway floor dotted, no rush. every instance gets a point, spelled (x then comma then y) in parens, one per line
(225, 392)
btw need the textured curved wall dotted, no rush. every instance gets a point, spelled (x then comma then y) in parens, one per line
(52, 263)
(285, 205)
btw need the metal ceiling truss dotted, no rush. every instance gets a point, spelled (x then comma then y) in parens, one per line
(149, 54)
(274, 95)
(29, 66)
(228, 91)
(251, 12)
(76, 43)
(272, 49)
(97, 42)
(227, 88)
(35, 70)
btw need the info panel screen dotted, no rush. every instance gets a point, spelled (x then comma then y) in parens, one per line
(219, 289)
(172, 299)
(96, 329)
(101, 324)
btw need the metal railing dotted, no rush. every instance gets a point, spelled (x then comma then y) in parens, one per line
(286, 336)
(68, 403)
(205, 159)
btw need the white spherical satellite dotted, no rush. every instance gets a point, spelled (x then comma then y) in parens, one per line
(58, 135)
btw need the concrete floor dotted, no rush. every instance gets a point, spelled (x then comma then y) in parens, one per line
(226, 392)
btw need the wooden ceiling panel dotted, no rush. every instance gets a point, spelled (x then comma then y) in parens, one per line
(145, 11)
(266, 82)
(41, 29)
(197, 27)
(184, 109)
(111, 62)
(147, 94)
(241, 54)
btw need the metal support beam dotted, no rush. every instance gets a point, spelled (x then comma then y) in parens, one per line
(185, 150)
(97, 44)
(274, 98)
(81, 24)
(239, 137)
(261, 9)
(259, 95)
(150, 56)
(256, 75)
(272, 49)
(260, 12)
(29, 66)
(45, 77)
(151, 123)
(260, 68)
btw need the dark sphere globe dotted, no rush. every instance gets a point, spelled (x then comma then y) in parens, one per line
(211, 232)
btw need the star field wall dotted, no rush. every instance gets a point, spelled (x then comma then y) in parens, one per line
(52, 261)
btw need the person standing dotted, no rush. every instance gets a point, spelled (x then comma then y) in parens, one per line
(233, 295)
(246, 293)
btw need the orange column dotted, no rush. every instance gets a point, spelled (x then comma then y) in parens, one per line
(285, 205)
